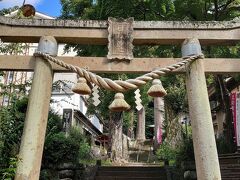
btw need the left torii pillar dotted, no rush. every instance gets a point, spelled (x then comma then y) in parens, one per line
(33, 137)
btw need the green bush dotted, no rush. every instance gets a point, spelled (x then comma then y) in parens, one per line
(9, 172)
(60, 148)
(48, 174)
(84, 147)
(84, 150)
(54, 124)
(185, 152)
(166, 152)
(223, 145)
(11, 128)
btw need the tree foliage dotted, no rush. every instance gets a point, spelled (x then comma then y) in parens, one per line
(8, 10)
(58, 147)
(11, 127)
(102, 9)
(207, 10)
(193, 10)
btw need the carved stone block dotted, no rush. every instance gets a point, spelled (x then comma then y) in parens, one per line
(120, 39)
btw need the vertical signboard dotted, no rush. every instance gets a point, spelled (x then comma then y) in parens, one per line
(120, 39)
(67, 119)
(237, 121)
(235, 105)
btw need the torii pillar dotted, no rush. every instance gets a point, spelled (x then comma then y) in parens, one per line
(140, 135)
(158, 120)
(205, 150)
(30, 156)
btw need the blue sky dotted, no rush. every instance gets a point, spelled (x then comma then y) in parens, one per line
(48, 7)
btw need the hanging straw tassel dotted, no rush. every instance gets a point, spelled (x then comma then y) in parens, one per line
(119, 104)
(81, 87)
(157, 90)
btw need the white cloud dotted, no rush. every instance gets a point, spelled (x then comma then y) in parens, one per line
(12, 3)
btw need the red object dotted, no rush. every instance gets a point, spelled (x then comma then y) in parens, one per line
(234, 112)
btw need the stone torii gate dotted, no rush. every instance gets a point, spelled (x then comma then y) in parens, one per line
(50, 32)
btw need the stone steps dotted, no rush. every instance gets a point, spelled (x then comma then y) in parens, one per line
(131, 168)
(131, 173)
(127, 173)
(125, 178)
(230, 166)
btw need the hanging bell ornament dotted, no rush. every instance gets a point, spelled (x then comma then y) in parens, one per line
(81, 87)
(119, 104)
(157, 90)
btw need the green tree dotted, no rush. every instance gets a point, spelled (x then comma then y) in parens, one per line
(217, 10)
(11, 127)
(8, 10)
(156, 10)
(101, 10)
(58, 147)
(204, 10)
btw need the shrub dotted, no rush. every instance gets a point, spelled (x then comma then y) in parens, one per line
(11, 128)
(224, 146)
(185, 152)
(166, 152)
(84, 147)
(84, 150)
(54, 124)
(59, 149)
(9, 172)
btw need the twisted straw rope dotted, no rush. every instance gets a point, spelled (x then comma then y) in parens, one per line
(118, 85)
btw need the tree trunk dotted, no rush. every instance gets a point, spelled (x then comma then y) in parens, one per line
(115, 128)
(130, 130)
(226, 108)
(141, 125)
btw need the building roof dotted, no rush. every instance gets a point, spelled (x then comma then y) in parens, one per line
(231, 83)
(81, 117)
(38, 15)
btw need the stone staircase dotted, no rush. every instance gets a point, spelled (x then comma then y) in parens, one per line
(131, 173)
(142, 165)
(141, 152)
(230, 166)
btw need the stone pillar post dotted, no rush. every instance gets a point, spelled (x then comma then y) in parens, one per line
(37, 114)
(206, 157)
(141, 125)
(158, 119)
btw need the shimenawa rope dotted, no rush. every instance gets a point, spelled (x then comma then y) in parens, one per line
(118, 85)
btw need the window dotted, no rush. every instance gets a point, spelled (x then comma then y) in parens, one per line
(10, 76)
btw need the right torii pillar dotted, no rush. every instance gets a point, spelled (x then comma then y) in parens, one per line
(205, 150)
